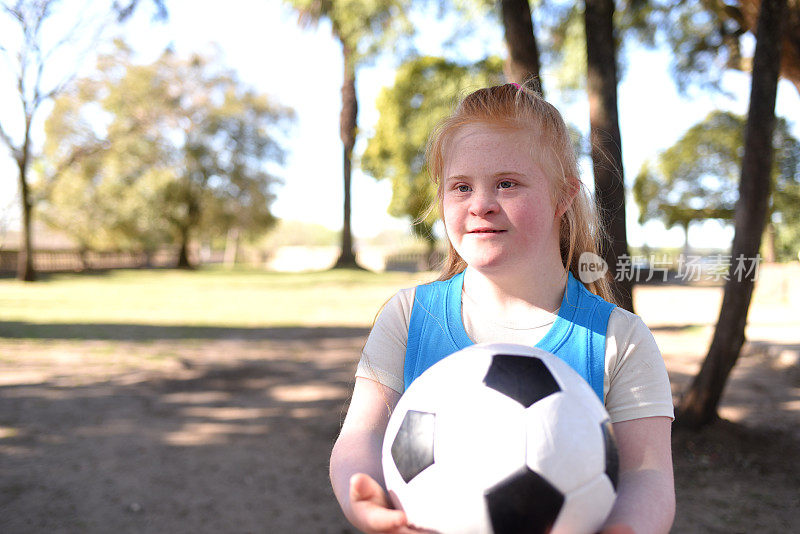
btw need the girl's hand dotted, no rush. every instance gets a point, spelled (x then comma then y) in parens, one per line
(371, 511)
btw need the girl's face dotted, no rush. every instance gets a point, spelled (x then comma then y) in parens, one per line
(497, 201)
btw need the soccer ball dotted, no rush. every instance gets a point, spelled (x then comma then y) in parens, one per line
(501, 439)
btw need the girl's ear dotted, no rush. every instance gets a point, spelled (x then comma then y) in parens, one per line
(572, 189)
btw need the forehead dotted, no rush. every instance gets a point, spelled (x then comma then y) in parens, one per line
(476, 147)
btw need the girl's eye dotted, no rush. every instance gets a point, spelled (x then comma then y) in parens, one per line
(462, 188)
(505, 184)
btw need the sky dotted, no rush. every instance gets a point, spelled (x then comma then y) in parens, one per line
(302, 68)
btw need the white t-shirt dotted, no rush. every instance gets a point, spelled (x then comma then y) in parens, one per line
(635, 383)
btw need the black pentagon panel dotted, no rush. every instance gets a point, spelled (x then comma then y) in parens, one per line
(525, 379)
(612, 456)
(524, 503)
(412, 448)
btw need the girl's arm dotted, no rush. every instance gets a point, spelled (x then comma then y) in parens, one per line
(355, 468)
(646, 492)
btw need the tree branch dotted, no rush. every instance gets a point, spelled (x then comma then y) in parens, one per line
(9, 143)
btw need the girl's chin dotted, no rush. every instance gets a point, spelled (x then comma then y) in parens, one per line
(486, 262)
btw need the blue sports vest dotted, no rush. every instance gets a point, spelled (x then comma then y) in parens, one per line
(577, 336)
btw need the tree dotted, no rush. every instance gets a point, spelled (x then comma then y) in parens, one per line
(424, 91)
(707, 36)
(34, 61)
(362, 27)
(523, 51)
(605, 136)
(183, 155)
(698, 405)
(697, 178)
(523, 61)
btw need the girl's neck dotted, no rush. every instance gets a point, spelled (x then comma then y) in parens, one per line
(505, 293)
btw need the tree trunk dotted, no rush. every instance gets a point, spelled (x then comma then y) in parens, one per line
(790, 45)
(25, 269)
(231, 248)
(523, 52)
(83, 256)
(183, 253)
(609, 178)
(347, 123)
(698, 406)
(185, 227)
(686, 248)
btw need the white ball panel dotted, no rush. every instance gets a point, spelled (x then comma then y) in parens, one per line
(480, 438)
(586, 509)
(572, 382)
(417, 496)
(564, 444)
(464, 367)
(509, 348)
(461, 509)
(460, 512)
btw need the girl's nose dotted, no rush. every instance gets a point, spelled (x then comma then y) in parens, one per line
(483, 202)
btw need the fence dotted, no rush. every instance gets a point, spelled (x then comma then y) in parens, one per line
(66, 260)
(282, 259)
(414, 261)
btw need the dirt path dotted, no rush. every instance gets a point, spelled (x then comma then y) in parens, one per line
(237, 446)
(233, 435)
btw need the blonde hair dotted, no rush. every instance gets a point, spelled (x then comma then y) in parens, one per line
(522, 108)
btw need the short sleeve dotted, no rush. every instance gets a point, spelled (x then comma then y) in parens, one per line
(637, 383)
(384, 353)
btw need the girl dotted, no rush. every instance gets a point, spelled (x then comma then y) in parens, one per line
(517, 220)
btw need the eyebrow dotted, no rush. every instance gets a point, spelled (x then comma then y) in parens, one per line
(495, 175)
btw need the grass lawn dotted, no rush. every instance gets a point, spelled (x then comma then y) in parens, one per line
(208, 297)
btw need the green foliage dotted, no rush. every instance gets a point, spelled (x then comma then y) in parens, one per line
(141, 155)
(563, 44)
(697, 178)
(560, 30)
(785, 200)
(705, 37)
(425, 91)
(364, 27)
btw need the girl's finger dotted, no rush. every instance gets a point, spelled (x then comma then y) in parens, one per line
(383, 520)
(364, 488)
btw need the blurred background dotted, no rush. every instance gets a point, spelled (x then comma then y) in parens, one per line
(204, 204)
(285, 73)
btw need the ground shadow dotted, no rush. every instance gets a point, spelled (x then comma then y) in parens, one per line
(677, 327)
(733, 478)
(240, 447)
(763, 390)
(145, 332)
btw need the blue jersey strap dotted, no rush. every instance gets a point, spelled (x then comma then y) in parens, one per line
(435, 328)
(577, 336)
